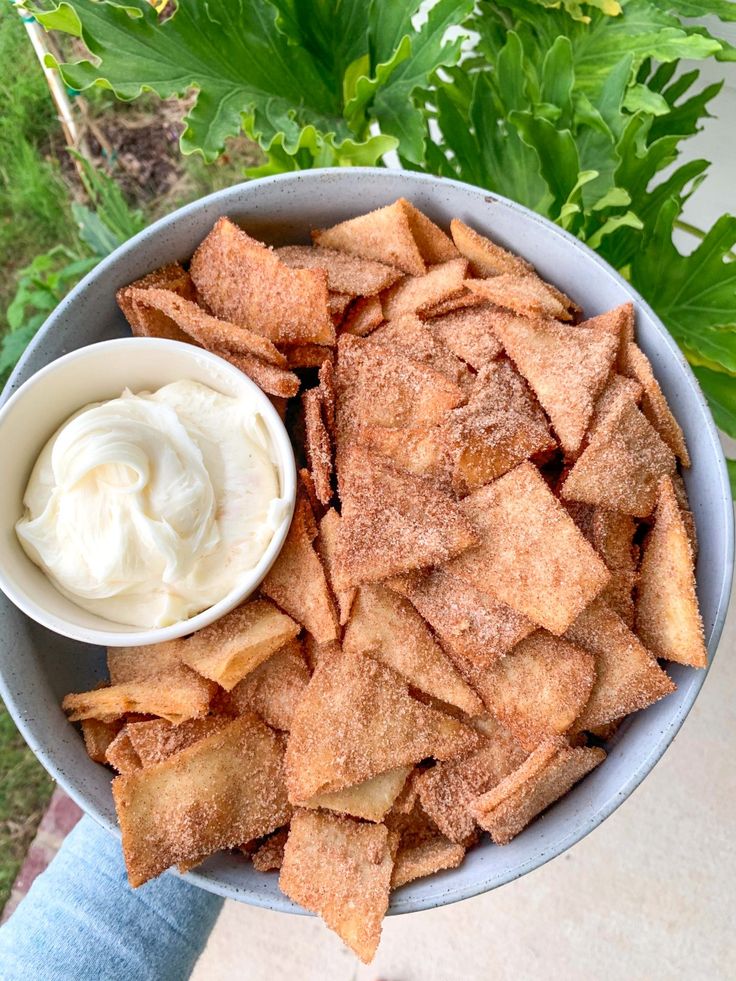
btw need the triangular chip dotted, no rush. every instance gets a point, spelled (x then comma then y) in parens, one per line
(447, 789)
(617, 322)
(121, 754)
(383, 235)
(269, 855)
(156, 740)
(618, 388)
(566, 367)
(551, 770)
(329, 531)
(413, 338)
(370, 800)
(308, 355)
(317, 445)
(98, 736)
(388, 628)
(485, 257)
(228, 649)
(540, 688)
(415, 294)
(341, 869)
(654, 405)
(621, 465)
(297, 582)
(328, 394)
(393, 522)
(474, 628)
(356, 720)
(527, 296)
(346, 273)
(363, 316)
(221, 791)
(469, 334)
(273, 380)
(426, 858)
(465, 300)
(139, 663)
(628, 677)
(433, 244)
(612, 535)
(243, 281)
(147, 322)
(274, 688)
(531, 556)
(667, 616)
(423, 452)
(337, 304)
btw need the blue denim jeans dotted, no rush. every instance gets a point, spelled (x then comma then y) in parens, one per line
(81, 921)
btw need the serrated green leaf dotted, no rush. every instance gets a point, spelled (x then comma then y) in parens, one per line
(364, 87)
(639, 98)
(613, 224)
(720, 390)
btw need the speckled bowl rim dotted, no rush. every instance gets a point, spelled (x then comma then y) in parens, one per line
(453, 888)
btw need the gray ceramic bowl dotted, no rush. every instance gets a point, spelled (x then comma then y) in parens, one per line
(37, 667)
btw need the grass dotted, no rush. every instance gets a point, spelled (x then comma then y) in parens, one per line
(25, 788)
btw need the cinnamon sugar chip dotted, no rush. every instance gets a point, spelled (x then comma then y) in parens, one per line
(297, 580)
(341, 869)
(464, 300)
(363, 316)
(98, 736)
(274, 689)
(411, 336)
(329, 532)
(121, 754)
(147, 322)
(383, 235)
(548, 773)
(433, 244)
(175, 695)
(531, 554)
(328, 394)
(317, 445)
(618, 389)
(668, 620)
(147, 661)
(485, 257)
(346, 274)
(308, 355)
(243, 281)
(527, 296)
(393, 522)
(540, 688)
(420, 451)
(469, 334)
(654, 405)
(474, 628)
(370, 800)
(566, 367)
(619, 323)
(424, 859)
(386, 626)
(307, 488)
(628, 677)
(314, 652)
(447, 789)
(612, 535)
(230, 648)
(269, 855)
(416, 294)
(622, 464)
(221, 791)
(156, 740)
(207, 330)
(356, 720)
(337, 304)
(273, 380)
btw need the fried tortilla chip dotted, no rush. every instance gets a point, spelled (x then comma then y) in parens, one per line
(121, 754)
(317, 445)
(628, 677)
(269, 855)
(416, 294)
(531, 556)
(327, 393)
(654, 405)
(618, 388)
(337, 304)
(341, 869)
(98, 736)
(314, 652)
(157, 739)
(230, 648)
(527, 296)
(357, 720)
(147, 322)
(308, 355)
(469, 334)
(383, 235)
(274, 689)
(618, 322)
(425, 859)
(245, 282)
(393, 522)
(363, 316)
(612, 536)
(347, 274)
(223, 790)
(411, 336)
(370, 800)
(566, 368)
(548, 773)
(474, 628)
(621, 465)
(329, 531)
(668, 620)
(147, 661)
(297, 581)
(447, 789)
(420, 451)
(485, 257)
(274, 381)
(386, 626)
(176, 695)
(461, 301)
(540, 688)
(433, 244)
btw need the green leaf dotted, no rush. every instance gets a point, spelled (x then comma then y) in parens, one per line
(639, 98)
(720, 390)
(611, 225)
(731, 465)
(15, 342)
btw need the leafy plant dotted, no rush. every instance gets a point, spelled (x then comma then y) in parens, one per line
(577, 109)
